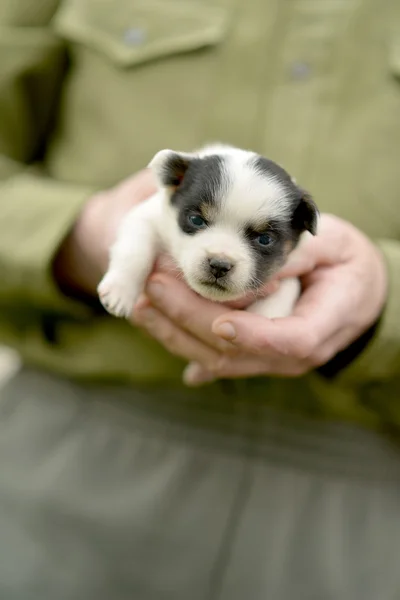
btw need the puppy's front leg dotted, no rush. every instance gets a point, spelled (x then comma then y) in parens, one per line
(131, 258)
(281, 303)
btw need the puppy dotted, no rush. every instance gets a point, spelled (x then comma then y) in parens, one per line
(228, 218)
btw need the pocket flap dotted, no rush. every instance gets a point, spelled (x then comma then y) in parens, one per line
(131, 33)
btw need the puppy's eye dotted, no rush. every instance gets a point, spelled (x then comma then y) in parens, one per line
(197, 221)
(264, 239)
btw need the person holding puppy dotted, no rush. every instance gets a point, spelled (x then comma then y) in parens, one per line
(274, 470)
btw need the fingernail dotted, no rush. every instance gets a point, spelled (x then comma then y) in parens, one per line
(226, 331)
(195, 374)
(155, 290)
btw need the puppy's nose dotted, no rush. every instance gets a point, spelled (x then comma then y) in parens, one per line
(219, 266)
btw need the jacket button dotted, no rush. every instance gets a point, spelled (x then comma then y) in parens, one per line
(134, 36)
(300, 70)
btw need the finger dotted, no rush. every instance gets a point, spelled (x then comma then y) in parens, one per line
(257, 335)
(174, 339)
(138, 186)
(187, 310)
(331, 246)
(243, 367)
(333, 346)
(321, 311)
(326, 300)
(166, 264)
(142, 303)
(195, 374)
(269, 288)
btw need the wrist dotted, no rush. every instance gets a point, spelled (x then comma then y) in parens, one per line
(82, 257)
(366, 332)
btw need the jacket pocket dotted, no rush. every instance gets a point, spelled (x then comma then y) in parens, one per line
(135, 32)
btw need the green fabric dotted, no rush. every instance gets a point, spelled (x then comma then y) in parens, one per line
(34, 225)
(91, 90)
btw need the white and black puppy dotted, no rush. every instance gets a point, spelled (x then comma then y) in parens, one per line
(228, 218)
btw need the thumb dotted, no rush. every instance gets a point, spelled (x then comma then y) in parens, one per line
(331, 245)
(303, 259)
(259, 335)
(312, 253)
(319, 312)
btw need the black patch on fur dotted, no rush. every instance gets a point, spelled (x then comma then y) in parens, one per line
(304, 210)
(305, 214)
(270, 169)
(174, 170)
(268, 259)
(302, 216)
(202, 186)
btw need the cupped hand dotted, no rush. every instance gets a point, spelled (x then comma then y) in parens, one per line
(344, 288)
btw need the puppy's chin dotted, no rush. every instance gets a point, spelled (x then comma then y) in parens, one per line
(214, 291)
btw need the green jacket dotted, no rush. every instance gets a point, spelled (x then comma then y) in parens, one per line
(91, 89)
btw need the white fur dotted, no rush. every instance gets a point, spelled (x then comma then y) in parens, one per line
(247, 184)
(281, 303)
(151, 228)
(263, 197)
(131, 258)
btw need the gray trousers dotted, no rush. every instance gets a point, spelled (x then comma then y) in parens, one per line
(130, 495)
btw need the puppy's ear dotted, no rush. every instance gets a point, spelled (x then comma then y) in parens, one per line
(170, 167)
(305, 216)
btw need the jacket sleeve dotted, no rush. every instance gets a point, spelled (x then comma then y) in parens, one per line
(377, 356)
(45, 327)
(36, 212)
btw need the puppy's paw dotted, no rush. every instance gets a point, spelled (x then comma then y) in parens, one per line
(117, 294)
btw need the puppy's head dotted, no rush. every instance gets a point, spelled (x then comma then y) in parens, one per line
(236, 217)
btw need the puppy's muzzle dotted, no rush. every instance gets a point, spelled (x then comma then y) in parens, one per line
(219, 267)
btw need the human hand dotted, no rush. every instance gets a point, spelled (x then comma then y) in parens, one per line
(83, 257)
(344, 290)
